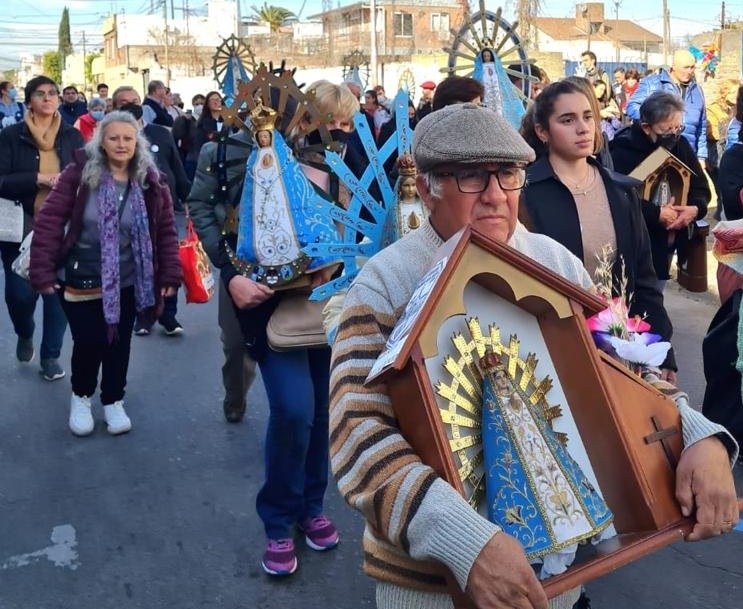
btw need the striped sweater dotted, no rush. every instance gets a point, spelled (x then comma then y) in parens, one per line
(416, 524)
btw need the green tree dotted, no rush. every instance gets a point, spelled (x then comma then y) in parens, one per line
(274, 16)
(51, 66)
(65, 40)
(9, 75)
(89, 66)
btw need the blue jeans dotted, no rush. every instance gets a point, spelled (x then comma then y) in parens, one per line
(296, 451)
(21, 301)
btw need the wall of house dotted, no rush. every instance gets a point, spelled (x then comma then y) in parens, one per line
(425, 29)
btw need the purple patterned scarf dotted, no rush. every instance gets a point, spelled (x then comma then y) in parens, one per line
(108, 225)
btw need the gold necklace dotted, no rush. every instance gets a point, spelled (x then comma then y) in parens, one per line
(581, 187)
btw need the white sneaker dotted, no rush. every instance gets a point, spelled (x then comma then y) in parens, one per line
(81, 419)
(116, 418)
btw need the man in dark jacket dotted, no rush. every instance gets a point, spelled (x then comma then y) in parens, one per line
(165, 152)
(214, 197)
(153, 106)
(660, 124)
(71, 107)
(425, 105)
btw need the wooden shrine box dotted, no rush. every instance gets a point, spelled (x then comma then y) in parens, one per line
(661, 163)
(630, 431)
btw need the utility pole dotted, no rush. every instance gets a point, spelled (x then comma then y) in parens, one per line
(165, 38)
(722, 30)
(373, 46)
(85, 72)
(586, 15)
(617, 4)
(666, 33)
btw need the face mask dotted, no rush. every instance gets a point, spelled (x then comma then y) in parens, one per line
(667, 140)
(12, 94)
(98, 114)
(198, 109)
(133, 109)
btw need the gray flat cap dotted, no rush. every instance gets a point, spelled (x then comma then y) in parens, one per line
(466, 133)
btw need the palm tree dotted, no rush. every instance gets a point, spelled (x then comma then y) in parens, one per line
(275, 16)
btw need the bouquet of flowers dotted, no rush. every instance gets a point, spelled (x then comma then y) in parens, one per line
(615, 332)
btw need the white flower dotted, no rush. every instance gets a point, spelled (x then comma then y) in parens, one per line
(637, 351)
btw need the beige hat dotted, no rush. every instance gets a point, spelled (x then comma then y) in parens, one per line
(467, 134)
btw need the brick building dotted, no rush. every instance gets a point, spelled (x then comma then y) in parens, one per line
(404, 28)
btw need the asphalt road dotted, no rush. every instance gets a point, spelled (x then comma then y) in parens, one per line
(164, 516)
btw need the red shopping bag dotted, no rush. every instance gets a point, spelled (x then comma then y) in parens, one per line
(197, 272)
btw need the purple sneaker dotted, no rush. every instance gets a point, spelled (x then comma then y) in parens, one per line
(320, 533)
(279, 557)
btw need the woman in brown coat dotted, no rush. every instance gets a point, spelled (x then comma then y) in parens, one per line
(105, 240)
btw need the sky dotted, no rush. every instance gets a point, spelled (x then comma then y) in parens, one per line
(31, 26)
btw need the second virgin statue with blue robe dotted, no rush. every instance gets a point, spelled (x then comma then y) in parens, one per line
(280, 213)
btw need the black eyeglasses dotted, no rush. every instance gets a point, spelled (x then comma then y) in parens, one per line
(476, 180)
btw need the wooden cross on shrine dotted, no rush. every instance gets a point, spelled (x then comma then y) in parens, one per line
(661, 435)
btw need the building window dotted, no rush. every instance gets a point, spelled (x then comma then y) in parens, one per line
(403, 24)
(440, 22)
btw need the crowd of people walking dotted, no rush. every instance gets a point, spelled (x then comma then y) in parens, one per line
(100, 183)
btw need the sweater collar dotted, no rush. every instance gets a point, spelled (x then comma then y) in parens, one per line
(430, 234)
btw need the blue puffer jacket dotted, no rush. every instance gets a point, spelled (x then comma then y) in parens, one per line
(695, 115)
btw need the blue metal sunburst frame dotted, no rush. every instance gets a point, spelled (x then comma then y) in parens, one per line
(362, 238)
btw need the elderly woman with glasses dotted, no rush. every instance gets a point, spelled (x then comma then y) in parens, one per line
(105, 241)
(32, 154)
(661, 124)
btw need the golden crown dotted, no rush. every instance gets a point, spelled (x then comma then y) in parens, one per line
(406, 165)
(263, 118)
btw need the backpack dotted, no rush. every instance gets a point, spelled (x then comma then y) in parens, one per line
(723, 402)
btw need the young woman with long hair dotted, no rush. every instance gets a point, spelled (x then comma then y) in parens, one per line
(572, 198)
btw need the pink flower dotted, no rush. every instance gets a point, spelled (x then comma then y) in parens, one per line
(637, 324)
(615, 320)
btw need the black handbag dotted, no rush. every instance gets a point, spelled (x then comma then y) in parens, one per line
(83, 265)
(723, 403)
(83, 268)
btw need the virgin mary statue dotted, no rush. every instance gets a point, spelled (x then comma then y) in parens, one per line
(535, 490)
(500, 95)
(280, 212)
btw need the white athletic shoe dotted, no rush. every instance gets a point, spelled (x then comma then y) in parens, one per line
(116, 418)
(81, 419)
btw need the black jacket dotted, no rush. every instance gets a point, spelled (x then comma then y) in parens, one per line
(730, 179)
(19, 160)
(215, 194)
(629, 148)
(162, 117)
(548, 207)
(71, 112)
(168, 159)
(206, 128)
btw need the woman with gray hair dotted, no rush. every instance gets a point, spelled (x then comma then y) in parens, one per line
(87, 122)
(105, 241)
(661, 124)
